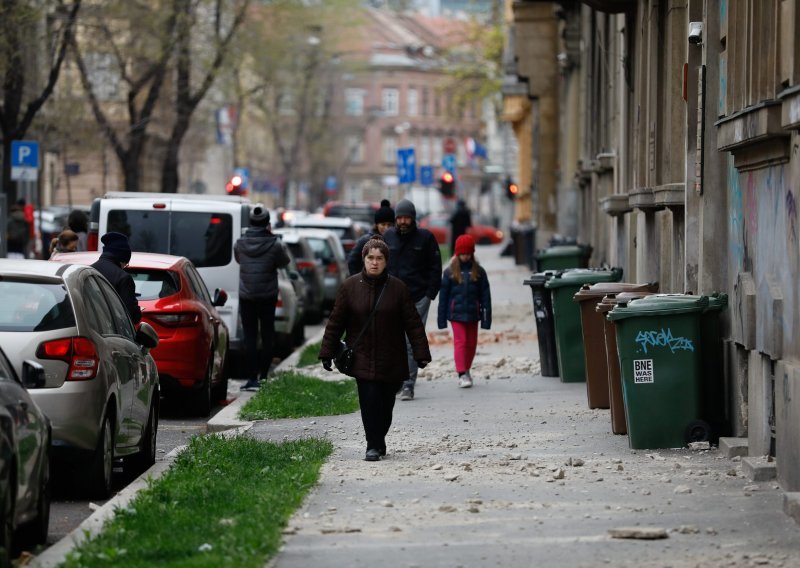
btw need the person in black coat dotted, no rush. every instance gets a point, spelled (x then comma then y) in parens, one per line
(414, 258)
(116, 256)
(260, 254)
(379, 344)
(460, 221)
(384, 219)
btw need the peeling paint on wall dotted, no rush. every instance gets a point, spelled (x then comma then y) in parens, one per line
(736, 235)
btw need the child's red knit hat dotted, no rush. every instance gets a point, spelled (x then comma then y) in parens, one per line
(465, 244)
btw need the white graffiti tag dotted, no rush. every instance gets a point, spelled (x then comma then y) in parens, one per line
(663, 338)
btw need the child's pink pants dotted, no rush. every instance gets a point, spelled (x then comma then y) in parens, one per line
(465, 341)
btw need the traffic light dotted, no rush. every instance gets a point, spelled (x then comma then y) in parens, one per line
(447, 184)
(234, 186)
(512, 189)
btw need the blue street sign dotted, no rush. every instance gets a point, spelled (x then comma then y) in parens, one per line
(406, 165)
(243, 173)
(24, 154)
(24, 160)
(330, 185)
(449, 163)
(426, 175)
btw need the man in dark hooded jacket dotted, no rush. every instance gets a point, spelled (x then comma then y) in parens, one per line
(116, 255)
(415, 259)
(260, 254)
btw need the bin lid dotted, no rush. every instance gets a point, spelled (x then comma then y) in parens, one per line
(559, 251)
(657, 305)
(580, 276)
(538, 279)
(600, 289)
(717, 301)
(608, 302)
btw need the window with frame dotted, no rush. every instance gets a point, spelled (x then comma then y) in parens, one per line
(119, 313)
(99, 315)
(390, 101)
(425, 101)
(413, 102)
(354, 101)
(389, 150)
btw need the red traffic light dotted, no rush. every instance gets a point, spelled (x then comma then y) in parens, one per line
(513, 188)
(234, 186)
(447, 177)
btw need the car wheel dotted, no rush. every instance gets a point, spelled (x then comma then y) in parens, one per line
(201, 402)
(102, 466)
(35, 531)
(7, 527)
(220, 390)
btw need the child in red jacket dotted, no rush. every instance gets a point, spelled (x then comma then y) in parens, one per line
(465, 300)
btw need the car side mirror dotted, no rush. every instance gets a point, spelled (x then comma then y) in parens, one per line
(33, 375)
(220, 297)
(146, 336)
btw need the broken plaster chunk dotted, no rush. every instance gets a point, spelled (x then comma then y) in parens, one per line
(641, 533)
(697, 446)
(682, 489)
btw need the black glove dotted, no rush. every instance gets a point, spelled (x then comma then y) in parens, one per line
(326, 364)
(422, 364)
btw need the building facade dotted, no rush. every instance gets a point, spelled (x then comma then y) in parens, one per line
(675, 157)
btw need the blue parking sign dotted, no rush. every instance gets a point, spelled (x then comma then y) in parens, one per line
(426, 175)
(449, 163)
(24, 160)
(406, 165)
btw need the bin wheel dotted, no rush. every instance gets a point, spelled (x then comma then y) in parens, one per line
(698, 431)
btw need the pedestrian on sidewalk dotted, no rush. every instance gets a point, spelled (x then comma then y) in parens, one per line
(377, 339)
(260, 254)
(465, 300)
(460, 221)
(78, 222)
(384, 219)
(111, 264)
(66, 241)
(414, 258)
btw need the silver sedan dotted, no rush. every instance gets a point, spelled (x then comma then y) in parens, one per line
(101, 384)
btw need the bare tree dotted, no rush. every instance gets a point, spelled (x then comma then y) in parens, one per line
(188, 42)
(19, 21)
(140, 41)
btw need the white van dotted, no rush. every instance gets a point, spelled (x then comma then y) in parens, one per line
(203, 228)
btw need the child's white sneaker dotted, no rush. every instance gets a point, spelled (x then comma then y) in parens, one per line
(465, 381)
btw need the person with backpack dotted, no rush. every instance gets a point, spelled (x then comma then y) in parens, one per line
(465, 301)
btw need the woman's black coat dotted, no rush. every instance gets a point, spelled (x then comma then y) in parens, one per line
(380, 354)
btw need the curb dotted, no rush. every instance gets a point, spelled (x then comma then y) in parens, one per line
(225, 421)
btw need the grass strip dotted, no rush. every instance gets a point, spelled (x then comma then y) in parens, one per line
(310, 355)
(224, 502)
(293, 395)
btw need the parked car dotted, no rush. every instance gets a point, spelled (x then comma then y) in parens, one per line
(328, 250)
(101, 383)
(439, 225)
(24, 460)
(300, 290)
(310, 269)
(193, 339)
(202, 228)
(343, 227)
(358, 211)
(288, 314)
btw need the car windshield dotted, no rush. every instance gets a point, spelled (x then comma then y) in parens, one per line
(154, 284)
(322, 250)
(204, 238)
(34, 306)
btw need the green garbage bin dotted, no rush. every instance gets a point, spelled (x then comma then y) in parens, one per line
(567, 317)
(713, 385)
(563, 256)
(659, 345)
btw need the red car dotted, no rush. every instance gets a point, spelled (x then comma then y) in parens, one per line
(439, 225)
(193, 339)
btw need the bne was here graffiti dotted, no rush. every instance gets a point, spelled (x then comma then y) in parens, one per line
(663, 338)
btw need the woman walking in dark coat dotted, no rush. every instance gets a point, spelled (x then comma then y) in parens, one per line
(380, 364)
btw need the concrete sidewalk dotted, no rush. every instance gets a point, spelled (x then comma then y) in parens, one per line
(518, 471)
